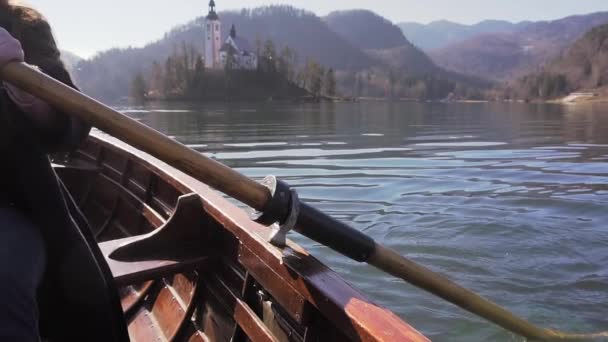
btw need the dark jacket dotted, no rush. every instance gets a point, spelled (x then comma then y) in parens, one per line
(77, 300)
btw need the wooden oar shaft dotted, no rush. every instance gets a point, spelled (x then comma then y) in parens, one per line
(137, 134)
(256, 195)
(393, 263)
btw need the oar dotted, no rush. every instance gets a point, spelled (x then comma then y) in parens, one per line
(311, 222)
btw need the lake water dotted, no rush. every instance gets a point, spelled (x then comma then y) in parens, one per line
(509, 200)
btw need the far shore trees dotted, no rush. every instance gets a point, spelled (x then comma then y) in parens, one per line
(183, 76)
(330, 83)
(138, 88)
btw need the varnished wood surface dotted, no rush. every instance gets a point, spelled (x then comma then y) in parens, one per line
(135, 194)
(136, 272)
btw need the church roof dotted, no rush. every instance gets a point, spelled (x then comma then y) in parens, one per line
(242, 43)
(227, 48)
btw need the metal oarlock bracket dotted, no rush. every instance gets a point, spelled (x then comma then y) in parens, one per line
(278, 236)
(281, 212)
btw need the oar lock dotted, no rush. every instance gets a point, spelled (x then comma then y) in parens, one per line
(281, 212)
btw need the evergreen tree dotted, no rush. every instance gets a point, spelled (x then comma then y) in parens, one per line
(285, 62)
(330, 83)
(170, 76)
(269, 57)
(258, 45)
(196, 88)
(138, 88)
(392, 81)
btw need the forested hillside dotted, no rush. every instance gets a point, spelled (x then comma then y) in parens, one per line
(365, 29)
(582, 67)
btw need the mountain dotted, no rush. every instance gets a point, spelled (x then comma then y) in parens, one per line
(365, 29)
(381, 40)
(583, 66)
(378, 61)
(406, 58)
(108, 75)
(507, 56)
(299, 29)
(439, 34)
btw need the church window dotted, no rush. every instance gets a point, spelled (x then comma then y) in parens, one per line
(208, 27)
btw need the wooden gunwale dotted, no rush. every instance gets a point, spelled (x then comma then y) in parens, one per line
(310, 282)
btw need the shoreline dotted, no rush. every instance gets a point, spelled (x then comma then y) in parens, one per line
(567, 100)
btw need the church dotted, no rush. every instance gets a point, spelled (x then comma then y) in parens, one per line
(240, 50)
(217, 53)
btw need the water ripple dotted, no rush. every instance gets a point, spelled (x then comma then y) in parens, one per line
(508, 200)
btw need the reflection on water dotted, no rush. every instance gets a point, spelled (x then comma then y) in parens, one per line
(507, 199)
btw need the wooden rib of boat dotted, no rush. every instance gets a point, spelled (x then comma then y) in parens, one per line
(196, 268)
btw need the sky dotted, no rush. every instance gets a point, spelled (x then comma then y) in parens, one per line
(85, 27)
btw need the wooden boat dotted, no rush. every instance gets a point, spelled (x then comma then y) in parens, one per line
(191, 266)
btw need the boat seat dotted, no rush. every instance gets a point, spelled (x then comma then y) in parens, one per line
(173, 248)
(67, 160)
(135, 272)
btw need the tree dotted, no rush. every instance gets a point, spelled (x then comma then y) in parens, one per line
(138, 88)
(330, 83)
(269, 57)
(230, 68)
(285, 62)
(197, 85)
(157, 80)
(392, 81)
(258, 45)
(358, 85)
(170, 76)
(315, 77)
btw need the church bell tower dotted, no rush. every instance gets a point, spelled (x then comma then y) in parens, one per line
(213, 38)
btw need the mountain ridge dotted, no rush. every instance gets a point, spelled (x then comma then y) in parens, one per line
(442, 33)
(507, 56)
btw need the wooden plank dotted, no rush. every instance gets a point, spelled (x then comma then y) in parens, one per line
(251, 323)
(280, 288)
(169, 312)
(131, 297)
(145, 328)
(247, 320)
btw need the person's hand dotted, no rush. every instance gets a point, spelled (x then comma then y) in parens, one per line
(36, 109)
(11, 51)
(10, 48)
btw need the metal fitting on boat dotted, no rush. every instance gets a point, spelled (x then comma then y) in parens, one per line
(281, 212)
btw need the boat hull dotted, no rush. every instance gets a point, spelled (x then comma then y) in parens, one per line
(246, 288)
